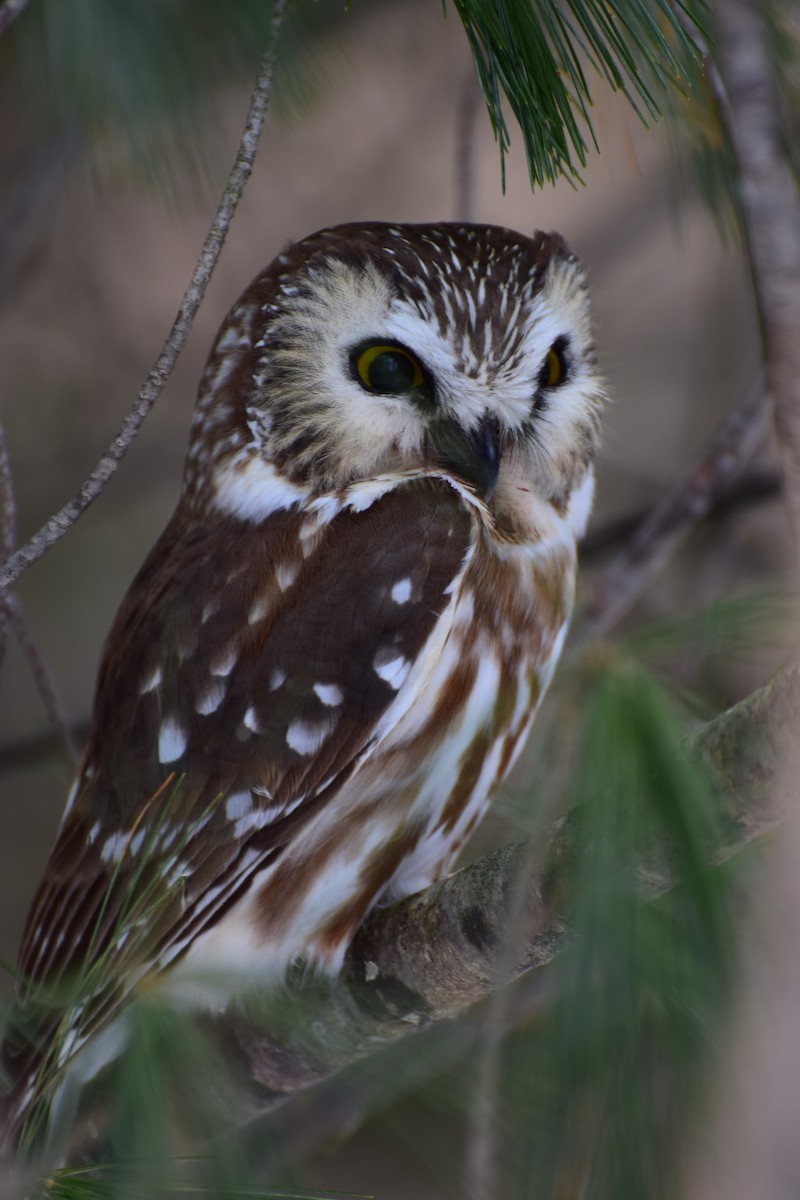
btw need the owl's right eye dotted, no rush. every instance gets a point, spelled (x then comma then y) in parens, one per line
(388, 369)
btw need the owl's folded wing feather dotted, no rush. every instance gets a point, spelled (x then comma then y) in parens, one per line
(242, 683)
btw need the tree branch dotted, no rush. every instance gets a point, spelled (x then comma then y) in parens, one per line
(432, 955)
(63, 520)
(771, 206)
(622, 583)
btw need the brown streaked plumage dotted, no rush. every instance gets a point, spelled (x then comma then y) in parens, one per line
(333, 654)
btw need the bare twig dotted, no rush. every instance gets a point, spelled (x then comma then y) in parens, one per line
(752, 488)
(771, 206)
(7, 525)
(63, 520)
(42, 677)
(625, 579)
(22, 752)
(11, 615)
(9, 11)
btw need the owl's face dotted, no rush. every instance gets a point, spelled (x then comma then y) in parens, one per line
(365, 350)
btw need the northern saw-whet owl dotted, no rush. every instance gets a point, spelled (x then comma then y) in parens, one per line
(334, 653)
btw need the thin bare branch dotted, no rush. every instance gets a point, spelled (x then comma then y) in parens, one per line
(625, 579)
(23, 752)
(8, 514)
(9, 11)
(42, 678)
(771, 205)
(63, 520)
(754, 487)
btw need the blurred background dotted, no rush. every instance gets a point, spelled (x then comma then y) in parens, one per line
(94, 257)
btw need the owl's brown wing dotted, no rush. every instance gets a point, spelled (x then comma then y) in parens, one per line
(243, 680)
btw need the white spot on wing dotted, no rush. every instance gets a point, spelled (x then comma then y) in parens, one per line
(329, 693)
(277, 679)
(210, 699)
(250, 719)
(113, 847)
(286, 576)
(392, 667)
(306, 738)
(152, 681)
(238, 804)
(225, 661)
(171, 740)
(401, 592)
(258, 610)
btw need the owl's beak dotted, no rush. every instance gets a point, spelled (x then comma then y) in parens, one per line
(473, 455)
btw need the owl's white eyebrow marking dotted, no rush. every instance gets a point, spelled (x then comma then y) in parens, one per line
(237, 804)
(401, 592)
(277, 679)
(152, 681)
(258, 610)
(329, 693)
(250, 719)
(286, 575)
(304, 738)
(225, 661)
(391, 667)
(210, 699)
(171, 740)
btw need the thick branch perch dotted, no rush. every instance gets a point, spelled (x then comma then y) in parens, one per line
(432, 955)
(771, 207)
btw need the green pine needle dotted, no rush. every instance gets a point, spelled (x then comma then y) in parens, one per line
(533, 54)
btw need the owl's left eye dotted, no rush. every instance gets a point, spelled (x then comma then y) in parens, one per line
(388, 369)
(554, 367)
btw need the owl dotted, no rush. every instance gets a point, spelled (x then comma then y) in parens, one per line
(333, 654)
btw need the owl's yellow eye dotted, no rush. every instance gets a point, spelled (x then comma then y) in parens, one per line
(553, 369)
(388, 369)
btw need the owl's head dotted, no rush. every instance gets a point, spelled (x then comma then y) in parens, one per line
(367, 349)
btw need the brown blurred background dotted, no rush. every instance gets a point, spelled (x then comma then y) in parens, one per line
(91, 283)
